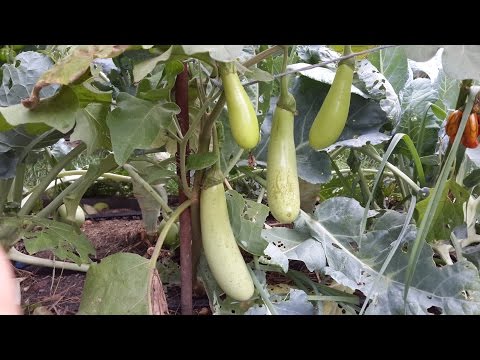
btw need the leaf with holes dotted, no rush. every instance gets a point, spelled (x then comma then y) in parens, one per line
(105, 293)
(136, 123)
(293, 303)
(354, 261)
(91, 127)
(379, 89)
(62, 239)
(287, 244)
(247, 218)
(20, 78)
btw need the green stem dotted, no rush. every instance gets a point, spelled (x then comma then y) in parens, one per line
(158, 246)
(263, 294)
(52, 174)
(254, 176)
(107, 175)
(16, 255)
(234, 161)
(391, 167)
(55, 203)
(18, 182)
(337, 152)
(136, 177)
(364, 188)
(5, 185)
(337, 171)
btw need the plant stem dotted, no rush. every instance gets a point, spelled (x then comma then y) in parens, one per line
(5, 185)
(263, 293)
(52, 174)
(254, 176)
(55, 203)
(183, 150)
(136, 177)
(392, 168)
(16, 255)
(161, 239)
(18, 182)
(233, 161)
(107, 175)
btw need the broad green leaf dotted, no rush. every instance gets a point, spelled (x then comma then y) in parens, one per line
(459, 61)
(421, 52)
(470, 167)
(448, 90)
(417, 119)
(62, 239)
(136, 123)
(13, 142)
(449, 212)
(20, 78)
(201, 161)
(257, 74)
(58, 111)
(286, 244)
(149, 206)
(247, 218)
(393, 64)
(73, 66)
(142, 69)
(87, 95)
(472, 254)
(116, 286)
(223, 53)
(91, 127)
(335, 224)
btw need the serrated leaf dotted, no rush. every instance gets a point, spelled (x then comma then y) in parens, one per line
(136, 123)
(74, 65)
(449, 212)
(62, 239)
(105, 291)
(247, 218)
(287, 244)
(91, 127)
(356, 264)
(393, 64)
(20, 78)
(201, 161)
(58, 111)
